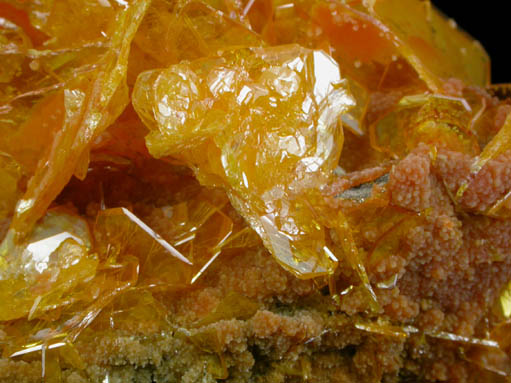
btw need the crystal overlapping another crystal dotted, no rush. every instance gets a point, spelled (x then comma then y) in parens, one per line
(41, 274)
(265, 125)
(64, 95)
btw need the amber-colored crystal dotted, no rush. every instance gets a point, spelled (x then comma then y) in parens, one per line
(160, 159)
(10, 173)
(92, 94)
(423, 118)
(120, 232)
(42, 274)
(244, 111)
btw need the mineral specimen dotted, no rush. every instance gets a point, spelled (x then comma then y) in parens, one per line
(268, 122)
(251, 191)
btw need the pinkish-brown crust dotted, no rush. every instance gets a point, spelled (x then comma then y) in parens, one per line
(450, 268)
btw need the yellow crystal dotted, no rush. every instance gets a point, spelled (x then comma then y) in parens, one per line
(253, 96)
(41, 274)
(265, 125)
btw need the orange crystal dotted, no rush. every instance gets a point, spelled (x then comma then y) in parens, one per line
(353, 141)
(268, 122)
(91, 95)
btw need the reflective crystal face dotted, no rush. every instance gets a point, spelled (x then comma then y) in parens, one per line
(167, 166)
(269, 121)
(42, 273)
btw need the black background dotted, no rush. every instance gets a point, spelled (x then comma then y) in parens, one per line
(489, 22)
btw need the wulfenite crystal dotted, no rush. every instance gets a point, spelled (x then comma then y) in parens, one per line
(78, 84)
(263, 123)
(41, 274)
(106, 241)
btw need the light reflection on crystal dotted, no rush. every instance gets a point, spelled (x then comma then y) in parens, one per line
(155, 236)
(37, 347)
(326, 73)
(206, 265)
(505, 301)
(90, 101)
(48, 267)
(201, 229)
(291, 76)
(41, 250)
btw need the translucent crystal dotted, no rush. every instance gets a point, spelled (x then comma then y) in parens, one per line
(385, 47)
(384, 39)
(365, 49)
(135, 310)
(234, 118)
(119, 232)
(10, 174)
(498, 145)
(433, 44)
(422, 119)
(87, 101)
(41, 274)
(505, 301)
(197, 30)
(208, 242)
(131, 238)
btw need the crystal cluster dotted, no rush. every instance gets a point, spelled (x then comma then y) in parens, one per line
(144, 143)
(268, 120)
